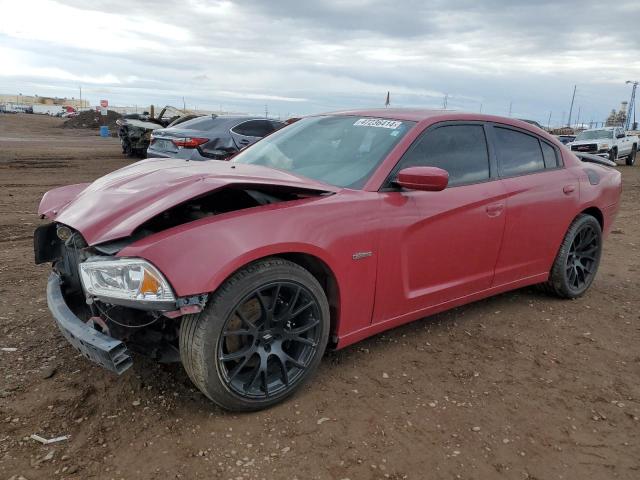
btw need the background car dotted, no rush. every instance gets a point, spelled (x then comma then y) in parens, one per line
(135, 129)
(210, 138)
(609, 142)
(331, 230)
(564, 139)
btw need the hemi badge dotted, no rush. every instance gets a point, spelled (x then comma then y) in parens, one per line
(361, 255)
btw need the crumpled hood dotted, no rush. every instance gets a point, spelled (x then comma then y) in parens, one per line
(115, 205)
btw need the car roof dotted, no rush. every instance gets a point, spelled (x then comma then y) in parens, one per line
(408, 114)
(432, 116)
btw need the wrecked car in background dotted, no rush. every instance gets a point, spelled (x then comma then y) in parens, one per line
(328, 231)
(209, 137)
(134, 129)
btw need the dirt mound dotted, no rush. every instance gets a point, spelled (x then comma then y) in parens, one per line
(93, 119)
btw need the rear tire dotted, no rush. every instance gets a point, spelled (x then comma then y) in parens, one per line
(260, 337)
(578, 258)
(631, 159)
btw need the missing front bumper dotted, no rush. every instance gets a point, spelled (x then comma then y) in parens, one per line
(107, 352)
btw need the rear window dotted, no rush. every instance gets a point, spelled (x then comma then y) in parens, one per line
(200, 123)
(549, 154)
(518, 153)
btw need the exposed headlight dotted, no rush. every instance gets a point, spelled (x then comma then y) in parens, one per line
(126, 279)
(603, 146)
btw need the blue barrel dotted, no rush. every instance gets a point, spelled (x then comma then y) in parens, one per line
(104, 131)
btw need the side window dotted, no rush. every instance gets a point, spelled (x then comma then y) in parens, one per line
(277, 125)
(254, 128)
(518, 153)
(461, 150)
(549, 154)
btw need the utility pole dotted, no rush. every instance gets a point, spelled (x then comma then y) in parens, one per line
(632, 106)
(578, 120)
(266, 111)
(573, 97)
(510, 107)
(549, 121)
(444, 102)
(80, 86)
(184, 106)
(481, 108)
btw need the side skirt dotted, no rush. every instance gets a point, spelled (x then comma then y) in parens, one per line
(375, 328)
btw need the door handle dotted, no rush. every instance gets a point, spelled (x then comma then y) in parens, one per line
(244, 141)
(494, 209)
(568, 189)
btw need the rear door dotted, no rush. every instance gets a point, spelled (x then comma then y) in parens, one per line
(542, 200)
(440, 246)
(624, 142)
(246, 133)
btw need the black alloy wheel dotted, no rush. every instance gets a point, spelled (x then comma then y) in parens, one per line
(578, 258)
(269, 340)
(581, 263)
(261, 335)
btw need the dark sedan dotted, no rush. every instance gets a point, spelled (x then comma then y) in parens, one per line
(210, 138)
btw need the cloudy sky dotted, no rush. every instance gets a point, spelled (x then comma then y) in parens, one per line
(301, 57)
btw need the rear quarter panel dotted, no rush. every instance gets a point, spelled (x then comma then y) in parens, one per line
(603, 195)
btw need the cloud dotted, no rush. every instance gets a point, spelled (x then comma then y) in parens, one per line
(331, 54)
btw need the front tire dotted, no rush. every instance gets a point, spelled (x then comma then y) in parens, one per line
(613, 155)
(631, 159)
(578, 259)
(260, 337)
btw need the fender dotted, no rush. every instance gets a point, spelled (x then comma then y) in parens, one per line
(198, 257)
(54, 200)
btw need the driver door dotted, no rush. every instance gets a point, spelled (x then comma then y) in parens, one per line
(440, 246)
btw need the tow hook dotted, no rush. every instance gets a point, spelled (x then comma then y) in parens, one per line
(188, 305)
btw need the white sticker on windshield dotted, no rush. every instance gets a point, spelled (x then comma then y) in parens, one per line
(377, 122)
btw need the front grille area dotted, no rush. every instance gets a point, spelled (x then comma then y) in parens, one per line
(65, 255)
(68, 266)
(588, 148)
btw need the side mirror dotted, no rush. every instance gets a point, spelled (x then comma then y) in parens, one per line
(428, 179)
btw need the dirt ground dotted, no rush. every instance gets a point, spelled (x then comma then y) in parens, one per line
(520, 386)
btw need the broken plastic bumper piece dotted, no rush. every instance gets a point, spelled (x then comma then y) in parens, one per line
(106, 351)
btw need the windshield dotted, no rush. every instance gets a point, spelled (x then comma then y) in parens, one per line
(338, 150)
(594, 134)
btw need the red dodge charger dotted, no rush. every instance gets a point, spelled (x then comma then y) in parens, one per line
(335, 228)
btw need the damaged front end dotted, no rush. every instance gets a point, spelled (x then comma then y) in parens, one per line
(107, 300)
(106, 305)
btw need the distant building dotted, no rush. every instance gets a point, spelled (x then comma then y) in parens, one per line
(617, 119)
(17, 98)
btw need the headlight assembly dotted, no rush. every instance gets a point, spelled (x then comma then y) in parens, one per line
(128, 279)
